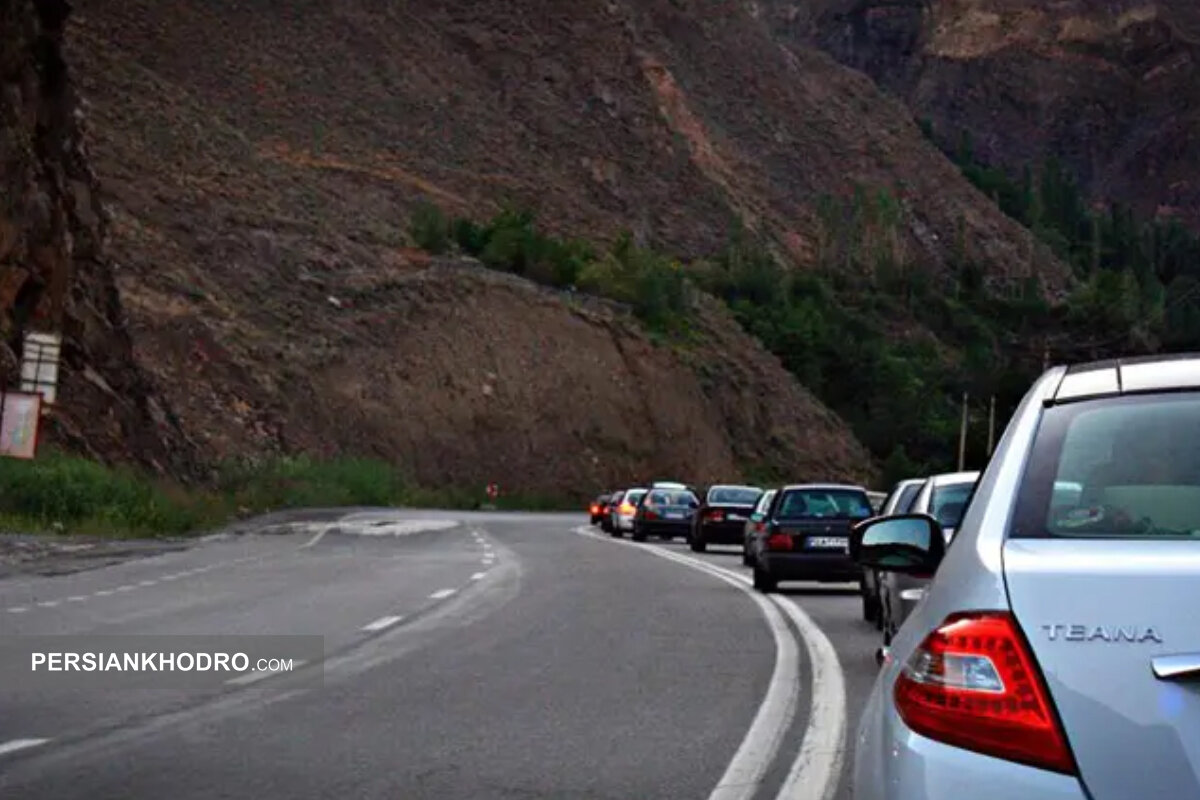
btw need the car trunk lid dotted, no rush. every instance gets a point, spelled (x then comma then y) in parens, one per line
(1097, 614)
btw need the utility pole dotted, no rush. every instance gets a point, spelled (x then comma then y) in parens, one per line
(991, 426)
(962, 437)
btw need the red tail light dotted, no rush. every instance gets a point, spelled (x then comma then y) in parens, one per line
(716, 516)
(779, 541)
(760, 526)
(595, 509)
(973, 683)
(651, 514)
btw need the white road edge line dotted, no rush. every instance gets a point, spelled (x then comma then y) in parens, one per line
(478, 576)
(744, 774)
(320, 535)
(381, 623)
(20, 744)
(255, 677)
(816, 772)
(442, 594)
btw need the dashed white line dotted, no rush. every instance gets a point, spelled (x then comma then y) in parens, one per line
(20, 744)
(442, 594)
(76, 598)
(17, 610)
(478, 576)
(126, 588)
(147, 583)
(255, 677)
(103, 593)
(381, 623)
(48, 604)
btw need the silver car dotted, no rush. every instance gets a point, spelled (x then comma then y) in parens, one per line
(943, 497)
(1056, 654)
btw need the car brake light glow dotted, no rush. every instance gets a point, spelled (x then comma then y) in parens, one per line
(716, 516)
(595, 509)
(779, 541)
(651, 514)
(626, 508)
(973, 683)
(760, 526)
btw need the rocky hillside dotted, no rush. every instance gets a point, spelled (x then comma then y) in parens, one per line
(260, 165)
(53, 275)
(1112, 89)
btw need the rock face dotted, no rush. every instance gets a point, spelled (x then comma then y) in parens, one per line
(53, 275)
(1111, 89)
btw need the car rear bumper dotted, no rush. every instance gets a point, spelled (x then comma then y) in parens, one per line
(660, 527)
(723, 532)
(894, 763)
(805, 566)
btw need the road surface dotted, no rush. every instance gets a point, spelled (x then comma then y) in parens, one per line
(465, 656)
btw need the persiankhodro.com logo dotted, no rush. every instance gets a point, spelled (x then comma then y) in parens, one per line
(156, 662)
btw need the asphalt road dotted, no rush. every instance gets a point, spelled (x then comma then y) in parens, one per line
(465, 656)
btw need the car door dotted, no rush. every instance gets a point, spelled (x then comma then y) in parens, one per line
(1107, 593)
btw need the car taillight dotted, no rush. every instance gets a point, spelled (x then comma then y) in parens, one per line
(973, 683)
(595, 509)
(716, 516)
(779, 541)
(759, 527)
(651, 514)
(626, 508)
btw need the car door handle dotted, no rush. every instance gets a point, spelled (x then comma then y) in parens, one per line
(1185, 666)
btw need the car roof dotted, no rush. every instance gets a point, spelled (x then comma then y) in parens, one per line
(734, 486)
(953, 477)
(909, 482)
(1119, 376)
(844, 486)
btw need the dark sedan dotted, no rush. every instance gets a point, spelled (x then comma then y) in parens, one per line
(666, 513)
(598, 508)
(721, 518)
(807, 535)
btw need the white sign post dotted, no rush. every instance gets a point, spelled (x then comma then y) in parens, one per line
(39, 365)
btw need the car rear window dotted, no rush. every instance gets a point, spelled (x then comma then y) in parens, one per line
(908, 495)
(662, 497)
(948, 502)
(823, 503)
(634, 496)
(733, 495)
(1125, 467)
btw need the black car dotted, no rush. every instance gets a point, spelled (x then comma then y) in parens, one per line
(598, 508)
(612, 502)
(807, 535)
(721, 518)
(666, 513)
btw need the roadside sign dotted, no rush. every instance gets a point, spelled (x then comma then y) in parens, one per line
(39, 364)
(20, 421)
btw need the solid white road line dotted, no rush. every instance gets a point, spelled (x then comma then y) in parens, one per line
(758, 749)
(442, 594)
(20, 744)
(478, 576)
(381, 623)
(815, 773)
(255, 677)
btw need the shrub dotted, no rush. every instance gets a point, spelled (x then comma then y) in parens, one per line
(429, 228)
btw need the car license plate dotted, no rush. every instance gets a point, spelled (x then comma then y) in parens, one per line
(736, 517)
(674, 515)
(828, 542)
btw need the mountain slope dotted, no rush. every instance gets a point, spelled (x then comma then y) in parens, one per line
(1110, 89)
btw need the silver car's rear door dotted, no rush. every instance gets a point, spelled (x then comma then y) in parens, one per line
(1100, 615)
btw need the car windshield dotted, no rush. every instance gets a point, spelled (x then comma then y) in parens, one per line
(733, 495)
(821, 503)
(1123, 467)
(949, 501)
(664, 497)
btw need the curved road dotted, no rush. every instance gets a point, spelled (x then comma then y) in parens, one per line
(465, 656)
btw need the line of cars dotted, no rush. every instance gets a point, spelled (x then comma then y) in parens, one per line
(798, 532)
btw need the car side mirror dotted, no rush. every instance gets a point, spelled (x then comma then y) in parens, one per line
(910, 544)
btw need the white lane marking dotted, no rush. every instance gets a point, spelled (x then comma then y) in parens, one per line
(103, 593)
(14, 745)
(478, 576)
(320, 535)
(381, 623)
(76, 598)
(125, 588)
(18, 610)
(48, 604)
(442, 594)
(744, 774)
(255, 677)
(168, 577)
(147, 583)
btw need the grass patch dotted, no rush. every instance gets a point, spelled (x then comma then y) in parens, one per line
(59, 493)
